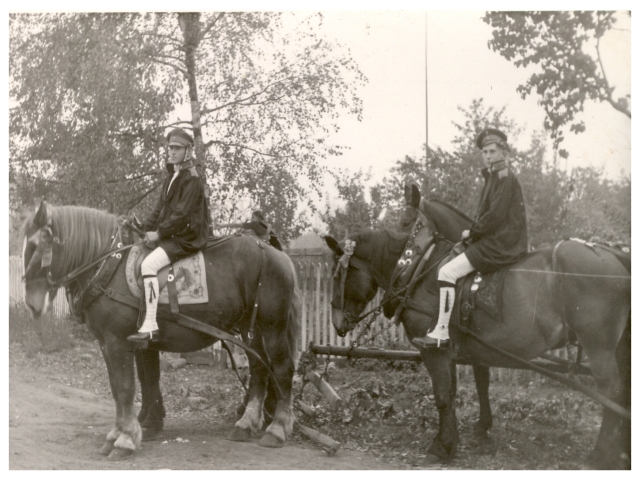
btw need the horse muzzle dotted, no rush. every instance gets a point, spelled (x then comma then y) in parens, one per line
(341, 322)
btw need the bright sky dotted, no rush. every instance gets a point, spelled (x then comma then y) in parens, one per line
(390, 49)
(389, 46)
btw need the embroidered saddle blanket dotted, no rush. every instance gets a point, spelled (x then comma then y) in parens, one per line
(190, 277)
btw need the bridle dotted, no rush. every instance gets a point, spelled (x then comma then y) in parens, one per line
(46, 235)
(341, 273)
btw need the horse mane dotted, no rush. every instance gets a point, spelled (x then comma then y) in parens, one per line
(463, 216)
(379, 243)
(85, 233)
(442, 214)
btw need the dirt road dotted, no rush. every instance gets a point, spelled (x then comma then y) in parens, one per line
(56, 426)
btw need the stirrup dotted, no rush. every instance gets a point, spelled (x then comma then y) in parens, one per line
(152, 336)
(429, 342)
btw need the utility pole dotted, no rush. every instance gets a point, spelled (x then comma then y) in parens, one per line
(426, 93)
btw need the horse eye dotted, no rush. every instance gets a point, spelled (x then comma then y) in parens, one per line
(45, 234)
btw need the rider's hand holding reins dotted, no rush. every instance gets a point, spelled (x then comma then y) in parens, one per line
(151, 239)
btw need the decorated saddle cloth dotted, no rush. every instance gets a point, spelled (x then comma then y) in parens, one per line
(478, 290)
(189, 277)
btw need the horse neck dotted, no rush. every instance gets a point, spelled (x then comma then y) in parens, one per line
(449, 223)
(384, 264)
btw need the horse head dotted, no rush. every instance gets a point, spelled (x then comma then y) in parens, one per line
(56, 241)
(354, 283)
(362, 264)
(37, 255)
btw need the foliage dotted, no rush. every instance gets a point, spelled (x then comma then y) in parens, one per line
(566, 45)
(393, 414)
(95, 93)
(46, 335)
(357, 212)
(597, 208)
(585, 205)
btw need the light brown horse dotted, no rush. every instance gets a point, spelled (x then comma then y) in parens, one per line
(59, 240)
(549, 297)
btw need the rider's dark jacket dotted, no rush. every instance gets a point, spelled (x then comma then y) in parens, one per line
(499, 231)
(181, 215)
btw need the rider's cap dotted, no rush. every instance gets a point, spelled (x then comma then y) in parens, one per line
(491, 135)
(179, 138)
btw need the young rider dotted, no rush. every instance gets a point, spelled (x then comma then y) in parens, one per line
(497, 237)
(177, 227)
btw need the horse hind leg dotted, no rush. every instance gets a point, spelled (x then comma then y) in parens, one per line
(283, 367)
(252, 419)
(613, 375)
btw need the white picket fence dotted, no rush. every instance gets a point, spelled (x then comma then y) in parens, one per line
(316, 286)
(315, 280)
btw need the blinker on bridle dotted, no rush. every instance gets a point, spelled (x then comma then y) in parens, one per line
(342, 267)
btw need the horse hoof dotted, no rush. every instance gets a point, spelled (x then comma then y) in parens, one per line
(432, 460)
(106, 448)
(240, 435)
(270, 441)
(150, 433)
(118, 454)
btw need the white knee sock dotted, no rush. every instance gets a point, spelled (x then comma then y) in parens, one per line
(447, 297)
(151, 299)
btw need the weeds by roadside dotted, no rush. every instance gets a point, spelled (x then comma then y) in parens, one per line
(45, 335)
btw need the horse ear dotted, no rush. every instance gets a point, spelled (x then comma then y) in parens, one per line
(415, 196)
(42, 214)
(407, 194)
(333, 245)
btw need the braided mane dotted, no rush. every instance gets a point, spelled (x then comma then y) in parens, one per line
(85, 233)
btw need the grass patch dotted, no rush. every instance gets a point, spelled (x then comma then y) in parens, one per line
(46, 335)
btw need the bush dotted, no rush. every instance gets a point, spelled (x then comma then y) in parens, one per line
(46, 335)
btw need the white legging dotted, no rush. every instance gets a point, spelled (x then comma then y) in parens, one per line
(455, 269)
(154, 262)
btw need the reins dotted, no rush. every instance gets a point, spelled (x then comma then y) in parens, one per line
(62, 282)
(402, 294)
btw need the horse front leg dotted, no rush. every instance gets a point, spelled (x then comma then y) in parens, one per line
(121, 375)
(443, 377)
(115, 432)
(152, 413)
(481, 375)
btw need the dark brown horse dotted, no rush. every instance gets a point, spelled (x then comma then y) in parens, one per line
(60, 240)
(578, 291)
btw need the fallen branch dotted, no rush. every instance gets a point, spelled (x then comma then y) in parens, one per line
(306, 409)
(325, 389)
(331, 446)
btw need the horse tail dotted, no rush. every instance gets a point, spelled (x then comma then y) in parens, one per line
(294, 317)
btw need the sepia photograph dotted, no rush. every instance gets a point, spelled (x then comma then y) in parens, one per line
(335, 236)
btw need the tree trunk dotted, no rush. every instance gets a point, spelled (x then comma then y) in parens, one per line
(190, 26)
